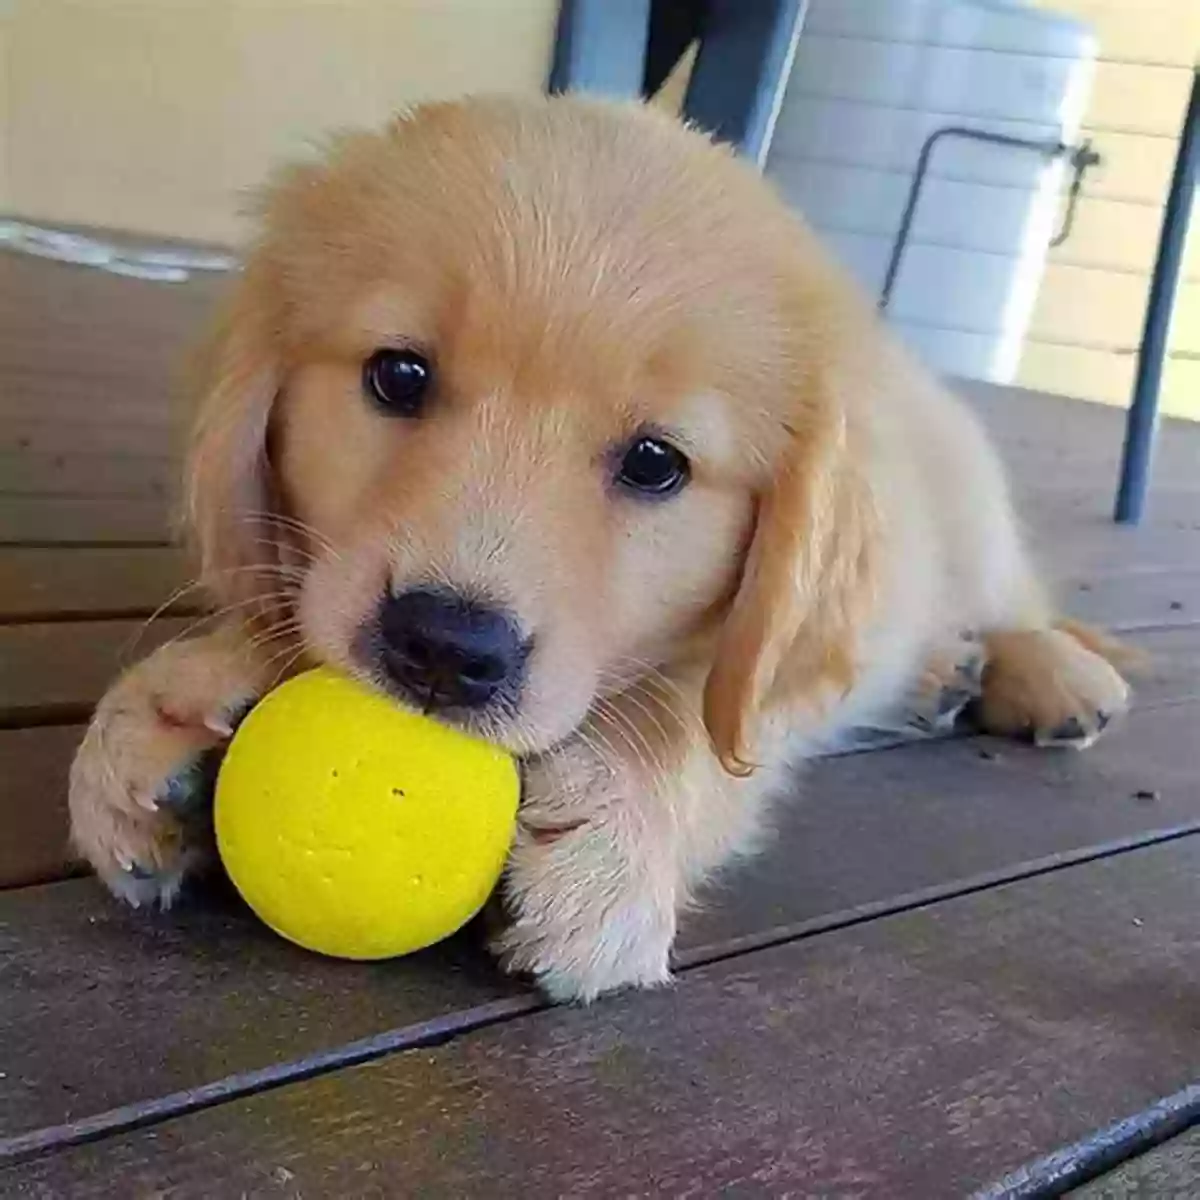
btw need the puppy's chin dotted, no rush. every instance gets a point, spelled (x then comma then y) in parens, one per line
(545, 715)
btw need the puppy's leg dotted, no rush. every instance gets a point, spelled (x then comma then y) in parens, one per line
(617, 826)
(139, 787)
(1054, 681)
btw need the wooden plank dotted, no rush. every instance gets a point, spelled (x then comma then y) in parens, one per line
(1036, 430)
(33, 803)
(1130, 599)
(920, 1055)
(56, 671)
(874, 829)
(1172, 1169)
(31, 472)
(141, 520)
(871, 826)
(98, 336)
(143, 1004)
(1172, 671)
(39, 583)
(83, 352)
(135, 433)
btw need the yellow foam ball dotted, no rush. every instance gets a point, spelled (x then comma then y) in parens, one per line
(357, 829)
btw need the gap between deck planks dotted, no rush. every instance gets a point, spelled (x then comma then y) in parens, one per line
(147, 1007)
(917, 1055)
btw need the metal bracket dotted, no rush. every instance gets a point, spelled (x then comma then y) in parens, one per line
(1082, 156)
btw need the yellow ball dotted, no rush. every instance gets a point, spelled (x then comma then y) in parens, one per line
(357, 829)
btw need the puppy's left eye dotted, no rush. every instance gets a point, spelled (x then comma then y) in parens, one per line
(398, 381)
(653, 467)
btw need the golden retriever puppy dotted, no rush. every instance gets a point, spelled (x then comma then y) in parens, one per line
(549, 417)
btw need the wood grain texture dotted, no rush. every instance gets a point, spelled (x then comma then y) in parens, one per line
(1128, 599)
(53, 666)
(33, 803)
(51, 583)
(142, 520)
(872, 826)
(91, 420)
(55, 672)
(183, 1009)
(104, 1005)
(921, 1055)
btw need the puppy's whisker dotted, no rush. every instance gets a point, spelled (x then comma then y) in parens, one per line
(274, 634)
(264, 568)
(631, 697)
(600, 745)
(647, 672)
(229, 610)
(131, 645)
(135, 638)
(283, 671)
(308, 557)
(633, 737)
(295, 525)
(264, 598)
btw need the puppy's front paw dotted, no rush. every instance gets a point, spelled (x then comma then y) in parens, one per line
(141, 782)
(1048, 686)
(591, 901)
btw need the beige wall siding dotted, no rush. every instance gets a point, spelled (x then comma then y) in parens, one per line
(5, 112)
(1087, 324)
(155, 115)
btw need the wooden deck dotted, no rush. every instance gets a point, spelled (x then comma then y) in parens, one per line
(958, 958)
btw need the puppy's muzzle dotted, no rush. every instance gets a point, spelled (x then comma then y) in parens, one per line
(445, 651)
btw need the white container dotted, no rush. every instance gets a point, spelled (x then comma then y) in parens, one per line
(872, 79)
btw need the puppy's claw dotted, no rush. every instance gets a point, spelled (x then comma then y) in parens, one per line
(225, 724)
(141, 887)
(1072, 734)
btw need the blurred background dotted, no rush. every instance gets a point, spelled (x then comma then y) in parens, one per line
(154, 116)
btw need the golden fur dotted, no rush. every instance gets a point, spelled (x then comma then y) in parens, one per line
(581, 271)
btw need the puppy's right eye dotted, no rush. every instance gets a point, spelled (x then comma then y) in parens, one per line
(399, 381)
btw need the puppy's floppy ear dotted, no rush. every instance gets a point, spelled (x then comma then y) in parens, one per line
(229, 492)
(807, 583)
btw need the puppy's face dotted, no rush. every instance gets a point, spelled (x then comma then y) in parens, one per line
(508, 519)
(526, 375)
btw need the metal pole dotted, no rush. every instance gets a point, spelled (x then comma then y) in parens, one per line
(1142, 423)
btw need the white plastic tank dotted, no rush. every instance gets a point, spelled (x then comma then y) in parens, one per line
(872, 79)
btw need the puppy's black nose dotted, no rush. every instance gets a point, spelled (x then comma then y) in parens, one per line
(447, 651)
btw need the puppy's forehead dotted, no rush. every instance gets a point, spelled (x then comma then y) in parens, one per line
(549, 253)
(565, 214)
